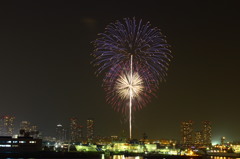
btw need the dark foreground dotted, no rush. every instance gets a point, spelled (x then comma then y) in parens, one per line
(50, 155)
(91, 155)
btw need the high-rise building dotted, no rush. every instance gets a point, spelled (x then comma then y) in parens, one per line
(75, 130)
(6, 125)
(61, 134)
(223, 140)
(25, 125)
(27, 130)
(198, 138)
(187, 132)
(80, 133)
(90, 129)
(207, 133)
(34, 132)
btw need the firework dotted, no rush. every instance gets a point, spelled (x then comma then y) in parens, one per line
(121, 40)
(124, 86)
(117, 85)
(135, 57)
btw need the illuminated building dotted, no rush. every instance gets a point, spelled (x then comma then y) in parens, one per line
(60, 133)
(34, 132)
(90, 129)
(25, 126)
(114, 138)
(33, 128)
(123, 147)
(20, 144)
(198, 138)
(207, 133)
(75, 130)
(236, 148)
(223, 140)
(6, 125)
(27, 130)
(187, 131)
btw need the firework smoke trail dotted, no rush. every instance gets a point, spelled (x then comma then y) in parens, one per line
(131, 50)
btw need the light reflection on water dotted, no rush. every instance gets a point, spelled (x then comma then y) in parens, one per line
(128, 157)
(141, 157)
(218, 157)
(121, 157)
(132, 157)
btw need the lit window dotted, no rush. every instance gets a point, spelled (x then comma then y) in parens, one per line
(14, 145)
(22, 142)
(5, 145)
(15, 141)
(32, 142)
(9, 141)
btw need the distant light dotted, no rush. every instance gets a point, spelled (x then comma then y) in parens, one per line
(15, 136)
(215, 142)
(3, 145)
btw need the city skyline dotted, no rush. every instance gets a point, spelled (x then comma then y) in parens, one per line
(190, 132)
(47, 77)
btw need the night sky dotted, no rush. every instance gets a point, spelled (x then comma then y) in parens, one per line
(46, 75)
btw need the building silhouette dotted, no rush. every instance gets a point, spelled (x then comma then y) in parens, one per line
(25, 125)
(34, 132)
(25, 128)
(61, 133)
(187, 132)
(19, 144)
(6, 125)
(207, 133)
(198, 138)
(90, 129)
(75, 130)
(223, 140)
(28, 130)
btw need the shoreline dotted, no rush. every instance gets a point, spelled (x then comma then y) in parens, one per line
(97, 155)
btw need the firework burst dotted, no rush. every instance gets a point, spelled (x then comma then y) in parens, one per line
(135, 57)
(117, 85)
(121, 40)
(124, 86)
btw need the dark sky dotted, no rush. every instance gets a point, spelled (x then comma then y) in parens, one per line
(46, 75)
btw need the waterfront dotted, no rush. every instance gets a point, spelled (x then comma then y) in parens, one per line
(165, 157)
(104, 156)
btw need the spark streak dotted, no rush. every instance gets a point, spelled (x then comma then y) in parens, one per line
(130, 101)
